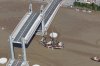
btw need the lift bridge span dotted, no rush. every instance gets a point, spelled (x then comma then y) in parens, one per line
(28, 26)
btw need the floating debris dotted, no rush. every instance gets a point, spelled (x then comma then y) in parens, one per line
(35, 65)
(2, 28)
(3, 60)
(53, 35)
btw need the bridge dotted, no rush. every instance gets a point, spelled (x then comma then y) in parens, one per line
(30, 24)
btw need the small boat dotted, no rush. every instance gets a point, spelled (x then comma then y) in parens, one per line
(53, 43)
(96, 58)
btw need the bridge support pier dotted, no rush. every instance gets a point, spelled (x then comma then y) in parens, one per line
(12, 59)
(24, 63)
(11, 48)
(30, 6)
(23, 49)
(43, 28)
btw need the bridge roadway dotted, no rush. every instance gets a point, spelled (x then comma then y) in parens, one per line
(25, 28)
(51, 9)
(49, 12)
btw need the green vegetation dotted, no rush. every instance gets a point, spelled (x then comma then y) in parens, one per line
(91, 6)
